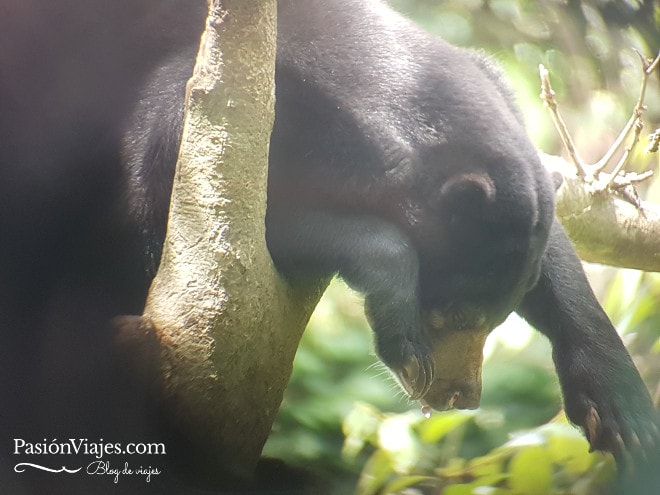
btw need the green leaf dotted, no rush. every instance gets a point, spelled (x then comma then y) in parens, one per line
(458, 490)
(474, 489)
(396, 437)
(439, 424)
(375, 474)
(531, 472)
(407, 481)
(486, 465)
(490, 481)
(454, 468)
(566, 446)
(360, 426)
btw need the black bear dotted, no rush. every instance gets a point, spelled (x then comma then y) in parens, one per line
(397, 161)
(401, 163)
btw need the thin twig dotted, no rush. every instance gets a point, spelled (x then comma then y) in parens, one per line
(633, 123)
(548, 96)
(589, 172)
(631, 179)
(601, 164)
(654, 141)
(639, 125)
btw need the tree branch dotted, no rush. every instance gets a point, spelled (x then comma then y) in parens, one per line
(226, 325)
(605, 228)
(548, 97)
(601, 212)
(593, 173)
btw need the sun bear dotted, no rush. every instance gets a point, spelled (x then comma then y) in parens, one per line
(401, 163)
(397, 161)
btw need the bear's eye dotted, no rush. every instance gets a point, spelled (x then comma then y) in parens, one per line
(436, 320)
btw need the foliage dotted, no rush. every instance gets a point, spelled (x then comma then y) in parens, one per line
(335, 366)
(631, 299)
(487, 451)
(414, 455)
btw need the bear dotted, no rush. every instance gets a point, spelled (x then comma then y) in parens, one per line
(404, 167)
(397, 161)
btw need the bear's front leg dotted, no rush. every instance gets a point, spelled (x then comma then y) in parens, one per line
(374, 258)
(603, 392)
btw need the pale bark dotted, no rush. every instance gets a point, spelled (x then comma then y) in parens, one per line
(228, 326)
(603, 226)
(600, 211)
(609, 230)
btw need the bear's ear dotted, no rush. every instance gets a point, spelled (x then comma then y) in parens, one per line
(557, 179)
(469, 189)
(556, 166)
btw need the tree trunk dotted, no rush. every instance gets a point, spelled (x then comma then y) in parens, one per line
(227, 325)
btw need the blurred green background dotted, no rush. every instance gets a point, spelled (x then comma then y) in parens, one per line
(344, 417)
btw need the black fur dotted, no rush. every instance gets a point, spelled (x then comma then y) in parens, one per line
(377, 119)
(401, 163)
(397, 161)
